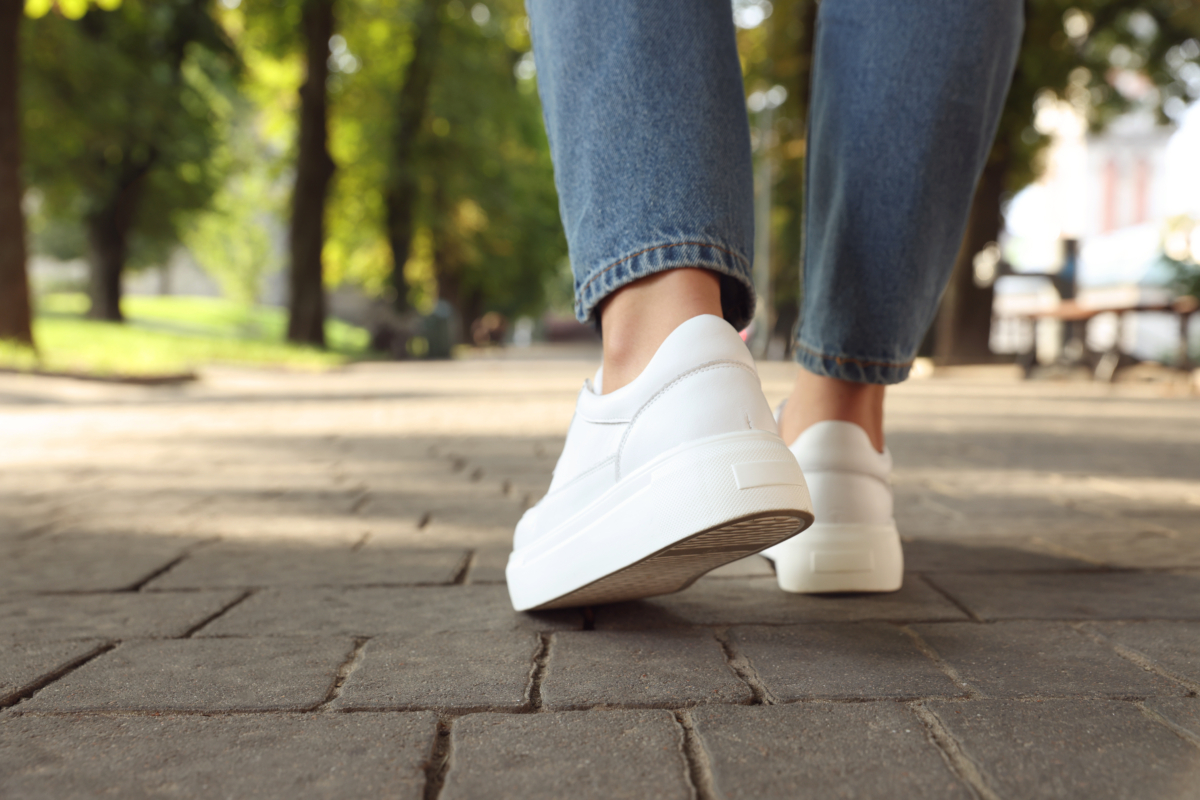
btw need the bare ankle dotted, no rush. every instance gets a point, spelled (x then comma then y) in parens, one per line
(816, 398)
(638, 318)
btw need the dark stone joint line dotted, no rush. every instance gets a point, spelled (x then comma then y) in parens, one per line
(1180, 731)
(948, 670)
(464, 569)
(699, 768)
(951, 598)
(744, 670)
(212, 617)
(537, 672)
(425, 519)
(353, 661)
(1142, 660)
(438, 763)
(22, 693)
(952, 753)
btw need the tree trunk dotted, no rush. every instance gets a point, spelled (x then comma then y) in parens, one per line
(401, 191)
(15, 316)
(108, 242)
(314, 169)
(964, 321)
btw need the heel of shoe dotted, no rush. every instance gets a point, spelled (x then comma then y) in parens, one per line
(840, 558)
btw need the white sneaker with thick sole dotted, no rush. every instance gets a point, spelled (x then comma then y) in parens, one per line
(854, 545)
(661, 481)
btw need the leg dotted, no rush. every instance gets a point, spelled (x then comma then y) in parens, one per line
(906, 100)
(646, 118)
(672, 464)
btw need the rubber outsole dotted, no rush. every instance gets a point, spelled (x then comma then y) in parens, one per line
(679, 565)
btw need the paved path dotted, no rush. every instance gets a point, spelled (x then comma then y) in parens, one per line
(281, 585)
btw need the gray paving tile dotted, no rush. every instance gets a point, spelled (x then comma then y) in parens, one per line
(22, 664)
(633, 668)
(990, 555)
(869, 659)
(123, 615)
(576, 754)
(374, 611)
(242, 564)
(1183, 712)
(1076, 596)
(284, 756)
(1038, 659)
(822, 750)
(1071, 748)
(1172, 646)
(738, 601)
(89, 562)
(1144, 549)
(481, 670)
(285, 674)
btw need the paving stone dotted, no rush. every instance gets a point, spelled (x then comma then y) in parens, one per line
(481, 670)
(89, 562)
(373, 611)
(859, 660)
(1071, 748)
(1075, 596)
(1184, 712)
(1145, 549)
(750, 567)
(876, 749)
(1038, 659)
(576, 754)
(241, 564)
(488, 563)
(285, 674)
(23, 664)
(1172, 646)
(738, 601)
(112, 616)
(632, 668)
(993, 555)
(284, 756)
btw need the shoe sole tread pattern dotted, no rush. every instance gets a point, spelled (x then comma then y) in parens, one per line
(679, 565)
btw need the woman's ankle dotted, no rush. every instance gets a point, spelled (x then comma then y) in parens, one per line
(638, 318)
(816, 398)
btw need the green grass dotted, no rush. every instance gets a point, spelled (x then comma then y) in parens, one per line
(167, 335)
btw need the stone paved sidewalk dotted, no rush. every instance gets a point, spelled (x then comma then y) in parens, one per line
(281, 585)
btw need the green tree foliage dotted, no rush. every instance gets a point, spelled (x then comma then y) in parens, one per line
(121, 129)
(487, 231)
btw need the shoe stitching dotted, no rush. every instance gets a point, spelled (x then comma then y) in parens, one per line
(702, 368)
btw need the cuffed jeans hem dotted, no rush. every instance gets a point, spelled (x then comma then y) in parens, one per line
(850, 369)
(737, 290)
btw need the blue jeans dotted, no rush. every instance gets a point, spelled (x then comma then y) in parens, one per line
(646, 117)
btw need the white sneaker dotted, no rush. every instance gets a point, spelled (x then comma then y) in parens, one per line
(854, 545)
(659, 482)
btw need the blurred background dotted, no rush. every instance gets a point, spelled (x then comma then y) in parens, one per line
(309, 182)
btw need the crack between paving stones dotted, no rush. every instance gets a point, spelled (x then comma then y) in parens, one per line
(464, 567)
(170, 565)
(938, 661)
(352, 662)
(213, 617)
(29, 690)
(1129, 654)
(425, 519)
(537, 673)
(971, 614)
(439, 760)
(695, 758)
(1178, 730)
(956, 759)
(744, 670)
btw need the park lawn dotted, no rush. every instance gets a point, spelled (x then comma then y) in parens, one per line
(171, 335)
